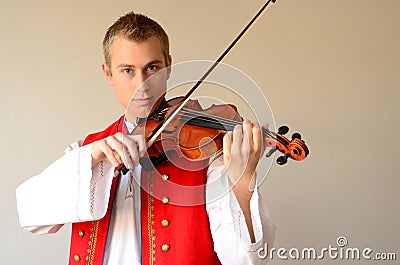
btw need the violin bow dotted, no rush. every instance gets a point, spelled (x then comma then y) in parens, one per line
(152, 137)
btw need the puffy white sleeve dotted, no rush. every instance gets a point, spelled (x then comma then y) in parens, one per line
(67, 191)
(227, 223)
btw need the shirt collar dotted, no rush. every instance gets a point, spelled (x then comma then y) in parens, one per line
(129, 125)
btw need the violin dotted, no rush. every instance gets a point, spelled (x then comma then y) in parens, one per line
(182, 126)
(197, 134)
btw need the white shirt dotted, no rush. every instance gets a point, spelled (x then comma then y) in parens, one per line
(69, 191)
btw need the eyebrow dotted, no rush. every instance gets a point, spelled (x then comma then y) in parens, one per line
(123, 65)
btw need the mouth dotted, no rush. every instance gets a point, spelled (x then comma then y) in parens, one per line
(143, 101)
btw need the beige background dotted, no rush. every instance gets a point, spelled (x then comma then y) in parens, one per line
(329, 69)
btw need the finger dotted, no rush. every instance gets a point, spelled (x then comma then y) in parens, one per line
(135, 146)
(116, 143)
(257, 139)
(117, 156)
(226, 147)
(141, 143)
(131, 149)
(247, 145)
(265, 127)
(137, 140)
(109, 153)
(237, 140)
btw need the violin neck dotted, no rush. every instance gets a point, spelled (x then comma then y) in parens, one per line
(208, 121)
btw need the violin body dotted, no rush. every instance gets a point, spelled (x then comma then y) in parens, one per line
(193, 142)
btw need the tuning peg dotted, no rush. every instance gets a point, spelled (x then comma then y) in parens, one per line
(283, 130)
(271, 151)
(296, 136)
(282, 160)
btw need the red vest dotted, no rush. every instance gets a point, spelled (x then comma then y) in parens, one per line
(175, 225)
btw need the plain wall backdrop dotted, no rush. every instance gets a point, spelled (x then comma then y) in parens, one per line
(329, 69)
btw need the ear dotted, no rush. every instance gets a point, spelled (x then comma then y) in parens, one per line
(107, 73)
(169, 63)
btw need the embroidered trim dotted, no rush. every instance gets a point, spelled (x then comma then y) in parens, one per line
(93, 188)
(92, 192)
(92, 243)
(240, 224)
(79, 183)
(150, 217)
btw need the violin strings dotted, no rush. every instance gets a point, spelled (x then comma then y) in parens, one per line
(211, 118)
(215, 121)
(227, 123)
(198, 116)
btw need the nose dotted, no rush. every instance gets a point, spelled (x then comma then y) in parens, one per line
(142, 85)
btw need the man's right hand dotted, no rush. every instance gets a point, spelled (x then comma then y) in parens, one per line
(119, 148)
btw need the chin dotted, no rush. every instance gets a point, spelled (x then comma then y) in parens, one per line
(144, 111)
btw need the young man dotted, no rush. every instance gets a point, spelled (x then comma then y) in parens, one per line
(145, 217)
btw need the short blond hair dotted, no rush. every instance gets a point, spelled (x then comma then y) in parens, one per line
(134, 27)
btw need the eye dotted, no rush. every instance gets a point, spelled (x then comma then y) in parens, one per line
(151, 68)
(127, 71)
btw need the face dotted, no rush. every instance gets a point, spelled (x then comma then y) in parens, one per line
(133, 63)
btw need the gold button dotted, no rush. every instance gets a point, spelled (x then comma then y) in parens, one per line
(81, 233)
(165, 177)
(77, 258)
(165, 223)
(165, 200)
(165, 247)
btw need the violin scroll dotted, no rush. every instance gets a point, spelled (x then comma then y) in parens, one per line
(295, 149)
